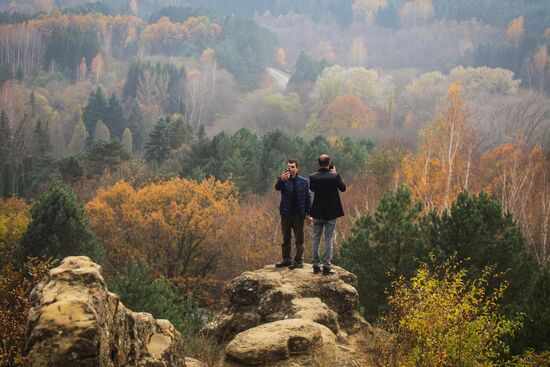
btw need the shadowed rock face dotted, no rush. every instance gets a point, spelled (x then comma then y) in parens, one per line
(75, 321)
(281, 317)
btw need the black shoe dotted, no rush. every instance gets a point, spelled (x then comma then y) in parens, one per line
(328, 271)
(283, 263)
(295, 266)
(316, 269)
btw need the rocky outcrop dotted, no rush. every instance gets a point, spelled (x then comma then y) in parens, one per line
(281, 317)
(275, 317)
(75, 321)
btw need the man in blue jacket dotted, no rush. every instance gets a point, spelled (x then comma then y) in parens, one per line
(294, 208)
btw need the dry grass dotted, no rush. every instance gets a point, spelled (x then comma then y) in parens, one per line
(204, 349)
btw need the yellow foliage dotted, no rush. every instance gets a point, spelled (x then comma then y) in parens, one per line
(165, 36)
(440, 318)
(14, 219)
(173, 225)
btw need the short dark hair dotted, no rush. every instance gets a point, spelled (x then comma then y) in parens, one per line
(324, 160)
(293, 161)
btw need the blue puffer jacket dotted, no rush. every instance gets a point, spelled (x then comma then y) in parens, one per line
(302, 192)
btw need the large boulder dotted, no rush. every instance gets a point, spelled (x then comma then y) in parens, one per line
(281, 317)
(282, 343)
(75, 321)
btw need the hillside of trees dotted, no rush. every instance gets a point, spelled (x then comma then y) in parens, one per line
(148, 134)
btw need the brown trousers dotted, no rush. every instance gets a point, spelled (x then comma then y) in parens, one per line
(293, 223)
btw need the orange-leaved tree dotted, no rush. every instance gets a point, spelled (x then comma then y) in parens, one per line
(515, 30)
(443, 165)
(346, 112)
(517, 175)
(173, 225)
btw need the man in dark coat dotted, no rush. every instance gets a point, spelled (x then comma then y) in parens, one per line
(294, 209)
(326, 207)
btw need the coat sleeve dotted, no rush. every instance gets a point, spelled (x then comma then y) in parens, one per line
(308, 200)
(280, 185)
(340, 184)
(312, 184)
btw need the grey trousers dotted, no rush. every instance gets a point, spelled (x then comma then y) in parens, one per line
(329, 226)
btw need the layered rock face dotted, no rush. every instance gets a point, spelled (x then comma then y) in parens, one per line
(75, 321)
(275, 318)
(281, 317)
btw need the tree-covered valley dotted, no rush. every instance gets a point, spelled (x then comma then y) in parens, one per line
(149, 134)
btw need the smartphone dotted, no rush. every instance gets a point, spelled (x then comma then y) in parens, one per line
(331, 165)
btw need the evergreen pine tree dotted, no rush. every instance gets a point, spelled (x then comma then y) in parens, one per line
(70, 169)
(6, 147)
(114, 117)
(140, 292)
(201, 132)
(32, 103)
(104, 155)
(478, 232)
(6, 171)
(179, 133)
(41, 140)
(307, 69)
(5, 139)
(133, 77)
(59, 227)
(537, 313)
(136, 124)
(95, 110)
(157, 147)
(382, 247)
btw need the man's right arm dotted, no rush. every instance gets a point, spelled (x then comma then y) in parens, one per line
(312, 183)
(280, 185)
(340, 184)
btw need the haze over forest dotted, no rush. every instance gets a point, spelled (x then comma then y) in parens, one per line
(156, 130)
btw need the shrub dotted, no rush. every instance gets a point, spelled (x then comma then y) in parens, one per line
(441, 318)
(141, 293)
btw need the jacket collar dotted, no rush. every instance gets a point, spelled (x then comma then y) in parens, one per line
(323, 169)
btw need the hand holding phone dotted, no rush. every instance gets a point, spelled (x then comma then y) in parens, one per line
(286, 174)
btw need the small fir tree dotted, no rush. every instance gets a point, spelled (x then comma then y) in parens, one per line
(157, 147)
(59, 227)
(140, 292)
